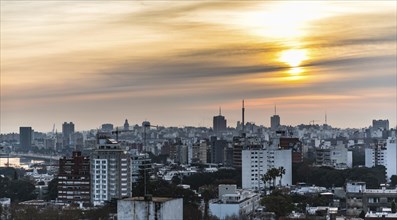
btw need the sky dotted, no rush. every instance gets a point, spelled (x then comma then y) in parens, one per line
(175, 63)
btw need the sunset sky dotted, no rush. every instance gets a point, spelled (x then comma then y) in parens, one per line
(174, 63)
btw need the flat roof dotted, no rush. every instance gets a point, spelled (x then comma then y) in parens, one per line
(154, 199)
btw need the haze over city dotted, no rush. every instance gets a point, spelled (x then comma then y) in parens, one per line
(175, 63)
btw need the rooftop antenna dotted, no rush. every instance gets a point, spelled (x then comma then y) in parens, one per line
(220, 110)
(326, 117)
(243, 113)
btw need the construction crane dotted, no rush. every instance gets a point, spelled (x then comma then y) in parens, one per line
(117, 132)
(146, 125)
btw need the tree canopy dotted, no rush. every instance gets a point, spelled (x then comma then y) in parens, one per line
(278, 202)
(328, 177)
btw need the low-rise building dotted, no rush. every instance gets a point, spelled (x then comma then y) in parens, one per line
(359, 198)
(148, 208)
(232, 201)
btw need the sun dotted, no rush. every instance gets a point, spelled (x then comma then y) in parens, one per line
(293, 57)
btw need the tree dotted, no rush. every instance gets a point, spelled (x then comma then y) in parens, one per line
(15, 175)
(362, 214)
(17, 190)
(279, 203)
(266, 179)
(393, 180)
(281, 172)
(273, 173)
(52, 189)
(393, 207)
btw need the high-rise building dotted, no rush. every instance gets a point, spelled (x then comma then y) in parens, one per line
(199, 152)
(255, 164)
(126, 125)
(218, 148)
(243, 143)
(380, 124)
(110, 171)
(384, 154)
(25, 138)
(219, 123)
(275, 120)
(295, 145)
(140, 163)
(74, 180)
(67, 131)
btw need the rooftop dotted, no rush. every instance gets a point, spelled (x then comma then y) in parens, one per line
(154, 199)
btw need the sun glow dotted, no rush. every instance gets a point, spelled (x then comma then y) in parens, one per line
(293, 57)
(296, 70)
(284, 20)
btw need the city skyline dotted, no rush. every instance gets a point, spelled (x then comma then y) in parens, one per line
(174, 64)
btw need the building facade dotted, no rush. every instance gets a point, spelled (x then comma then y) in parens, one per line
(218, 148)
(384, 154)
(219, 124)
(67, 131)
(199, 152)
(74, 180)
(232, 201)
(25, 138)
(139, 163)
(334, 156)
(359, 198)
(156, 208)
(110, 171)
(255, 164)
(380, 124)
(275, 122)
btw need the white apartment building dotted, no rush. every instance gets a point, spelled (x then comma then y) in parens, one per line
(255, 164)
(232, 201)
(110, 172)
(335, 156)
(383, 154)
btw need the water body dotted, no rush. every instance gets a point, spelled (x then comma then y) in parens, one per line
(18, 162)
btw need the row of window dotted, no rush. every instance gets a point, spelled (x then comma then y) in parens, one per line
(72, 183)
(71, 192)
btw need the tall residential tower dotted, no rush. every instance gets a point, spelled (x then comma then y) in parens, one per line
(110, 171)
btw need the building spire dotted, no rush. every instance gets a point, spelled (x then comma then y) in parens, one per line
(326, 117)
(220, 110)
(275, 109)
